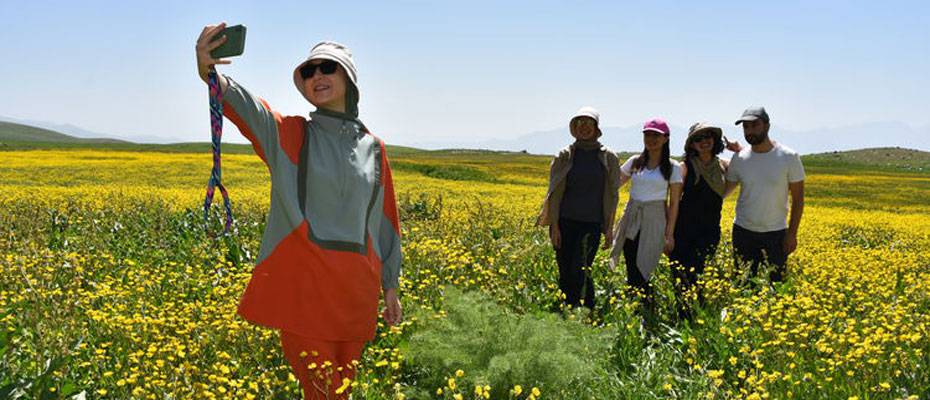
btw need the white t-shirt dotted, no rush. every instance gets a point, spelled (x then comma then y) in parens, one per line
(762, 205)
(649, 184)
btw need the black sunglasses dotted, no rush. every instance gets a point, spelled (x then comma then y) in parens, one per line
(702, 137)
(327, 67)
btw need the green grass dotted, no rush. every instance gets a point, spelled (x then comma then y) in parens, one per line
(501, 349)
(449, 171)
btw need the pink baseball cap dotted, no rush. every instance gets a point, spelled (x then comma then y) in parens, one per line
(656, 125)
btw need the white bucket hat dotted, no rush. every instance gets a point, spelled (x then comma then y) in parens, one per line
(589, 112)
(328, 50)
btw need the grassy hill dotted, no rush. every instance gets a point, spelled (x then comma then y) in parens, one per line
(892, 159)
(24, 135)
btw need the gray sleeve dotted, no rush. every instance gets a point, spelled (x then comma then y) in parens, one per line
(253, 117)
(389, 244)
(391, 256)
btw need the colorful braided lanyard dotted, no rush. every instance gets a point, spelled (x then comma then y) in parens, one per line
(216, 125)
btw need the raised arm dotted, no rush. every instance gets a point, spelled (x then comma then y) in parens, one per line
(206, 62)
(252, 115)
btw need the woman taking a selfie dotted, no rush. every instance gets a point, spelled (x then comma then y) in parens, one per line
(332, 240)
(648, 223)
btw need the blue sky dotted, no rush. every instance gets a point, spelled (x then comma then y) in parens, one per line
(476, 70)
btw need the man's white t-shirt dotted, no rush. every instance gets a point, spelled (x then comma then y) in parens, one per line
(649, 184)
(762, 205)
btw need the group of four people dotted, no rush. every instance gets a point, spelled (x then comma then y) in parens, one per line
(674, 207)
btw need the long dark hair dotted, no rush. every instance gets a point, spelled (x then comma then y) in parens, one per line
(665, 164)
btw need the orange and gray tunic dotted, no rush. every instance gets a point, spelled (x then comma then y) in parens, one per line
(332, 239)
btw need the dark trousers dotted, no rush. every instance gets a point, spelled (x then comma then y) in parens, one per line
(757, 248)
(634, 277)
(688, 259)
(579, 245)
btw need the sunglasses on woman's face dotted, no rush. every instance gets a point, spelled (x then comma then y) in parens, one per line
(702, 137)
(327, 67)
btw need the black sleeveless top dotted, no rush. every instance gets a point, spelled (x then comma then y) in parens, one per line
(699, 209)
(583, 200)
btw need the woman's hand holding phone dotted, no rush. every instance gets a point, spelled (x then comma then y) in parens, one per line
(205, 45)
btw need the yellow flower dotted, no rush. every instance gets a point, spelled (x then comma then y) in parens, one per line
(345, 385)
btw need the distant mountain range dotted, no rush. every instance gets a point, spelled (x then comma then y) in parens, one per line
(876, 134)
(624, 139)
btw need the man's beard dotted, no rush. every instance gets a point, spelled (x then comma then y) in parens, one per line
(756, 139)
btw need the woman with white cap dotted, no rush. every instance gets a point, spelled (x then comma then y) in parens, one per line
(580, 205)
(697, 231)
(332, 240)
(648, 223)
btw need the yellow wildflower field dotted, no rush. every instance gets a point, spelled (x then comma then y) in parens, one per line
(111, 288)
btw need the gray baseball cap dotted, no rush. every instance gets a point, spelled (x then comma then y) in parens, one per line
(754, 113)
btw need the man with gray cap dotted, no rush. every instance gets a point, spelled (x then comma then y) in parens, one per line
(766, 172)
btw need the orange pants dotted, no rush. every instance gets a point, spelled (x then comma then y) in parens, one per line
(321, 365)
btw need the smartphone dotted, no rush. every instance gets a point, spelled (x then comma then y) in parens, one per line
(235, 42)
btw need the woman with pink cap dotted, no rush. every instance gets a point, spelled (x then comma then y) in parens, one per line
(647, 227)
(332, 240)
